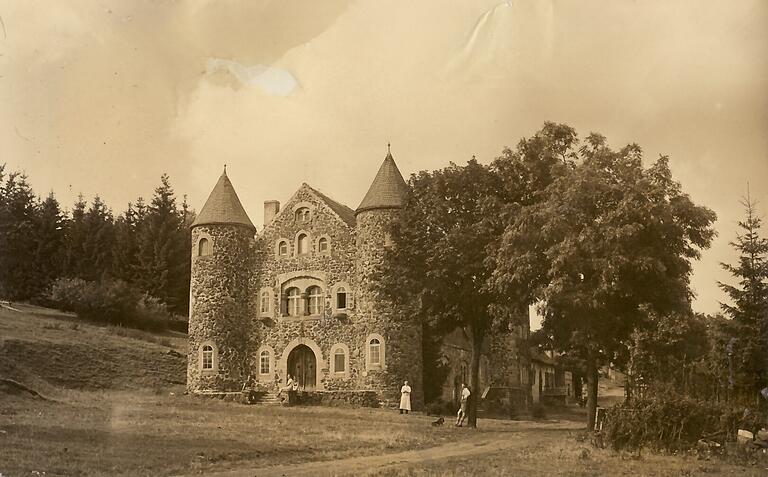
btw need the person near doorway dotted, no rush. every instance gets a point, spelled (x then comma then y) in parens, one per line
(405, 398)
(462, 414)
(290, 385)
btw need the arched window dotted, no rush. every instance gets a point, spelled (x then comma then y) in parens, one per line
(302, 244)
(203, 247)
(339, 361)
(207, 357)
(315, 295)
(282, 248)
(266, 297)
(375, 358)
(374, 352)
(264, 359)
(322, 245)
(293, 302)
(303, 215)
(341, 298)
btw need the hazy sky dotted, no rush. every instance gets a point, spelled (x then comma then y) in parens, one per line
(102, 97)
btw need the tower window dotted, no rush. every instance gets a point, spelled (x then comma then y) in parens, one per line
(203, 247)
(303, 215)
(341, 298)
(322, 245)
(302, 244)
(265, 299)
(339, 361)
(374, 352)
(208, 358)
(264, 359)
(315, 294)
(293, 302)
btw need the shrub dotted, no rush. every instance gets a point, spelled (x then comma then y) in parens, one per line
(109, 301)
(440, 407)
(538, 411)
(501, 408)
(668, 423)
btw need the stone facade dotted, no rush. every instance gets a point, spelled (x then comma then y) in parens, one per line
(297, 299)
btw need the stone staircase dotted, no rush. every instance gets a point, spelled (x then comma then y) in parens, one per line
(265, 398)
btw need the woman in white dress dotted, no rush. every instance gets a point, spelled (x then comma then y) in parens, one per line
(405, 398)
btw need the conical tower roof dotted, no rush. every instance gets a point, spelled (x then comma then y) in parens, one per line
(223, 206)
(388, 191)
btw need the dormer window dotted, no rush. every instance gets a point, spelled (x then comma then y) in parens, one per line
(303, 215)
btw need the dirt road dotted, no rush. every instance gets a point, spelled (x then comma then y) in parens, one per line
(493, 442)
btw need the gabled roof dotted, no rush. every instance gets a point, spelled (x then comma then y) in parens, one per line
(345, 213)
(223, 206)
(388, 190)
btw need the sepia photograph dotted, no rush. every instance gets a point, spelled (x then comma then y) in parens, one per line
(264, 238)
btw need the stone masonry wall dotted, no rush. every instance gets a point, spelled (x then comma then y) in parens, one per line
(219, 308)
(401, 332)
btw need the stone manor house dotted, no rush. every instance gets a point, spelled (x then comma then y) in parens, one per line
(296, 298)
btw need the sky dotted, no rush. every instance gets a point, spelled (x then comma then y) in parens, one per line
(104, 96)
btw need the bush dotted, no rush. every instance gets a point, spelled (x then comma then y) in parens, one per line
(538, 411)
(440, 407)
(501, 408)
(667, 423)
(109, 301)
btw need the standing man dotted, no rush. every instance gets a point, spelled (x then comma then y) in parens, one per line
(405, 398)
(462, 414)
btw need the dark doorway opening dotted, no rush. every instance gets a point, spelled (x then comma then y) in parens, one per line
(301, 365)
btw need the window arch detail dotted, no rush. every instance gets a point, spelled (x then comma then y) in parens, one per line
(209, 358)
(203, 247)
(266, 302)
(323, 245)
(375, 352)
(266, 362)
(303, 244)
(339, 360)
(342, 298)
(282, 248)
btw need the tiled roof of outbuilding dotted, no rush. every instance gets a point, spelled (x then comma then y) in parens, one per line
(223, 206)
(388, 190)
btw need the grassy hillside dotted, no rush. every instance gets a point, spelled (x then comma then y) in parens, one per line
(50, 352)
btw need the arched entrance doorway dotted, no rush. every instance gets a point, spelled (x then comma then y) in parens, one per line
(301, 365)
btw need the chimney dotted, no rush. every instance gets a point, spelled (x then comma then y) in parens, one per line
(271, 208)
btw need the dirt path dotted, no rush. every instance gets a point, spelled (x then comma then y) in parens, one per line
(486, 443)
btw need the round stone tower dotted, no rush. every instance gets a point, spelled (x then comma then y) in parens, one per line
(219, 323)
(380, 208)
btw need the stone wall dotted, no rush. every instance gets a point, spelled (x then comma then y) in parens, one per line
(401, 331)
(219, 308)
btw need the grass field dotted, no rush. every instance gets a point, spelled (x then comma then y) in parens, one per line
(111, 402)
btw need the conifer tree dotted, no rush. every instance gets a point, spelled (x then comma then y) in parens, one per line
(163, 250)
(17, 226)
(749, 307)
(49, 242)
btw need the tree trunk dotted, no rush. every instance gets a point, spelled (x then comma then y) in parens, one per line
(591, 392)
(474, 373)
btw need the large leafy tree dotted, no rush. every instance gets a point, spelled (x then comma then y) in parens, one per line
(442, 258)
(608, 242)
(749, 305)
